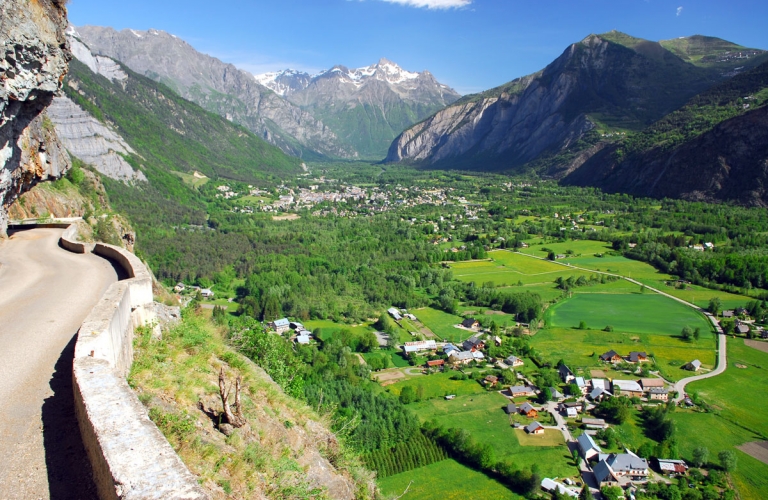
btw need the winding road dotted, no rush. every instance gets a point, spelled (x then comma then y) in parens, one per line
(45, 294)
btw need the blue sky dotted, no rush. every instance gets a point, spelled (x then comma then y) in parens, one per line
(471, 45)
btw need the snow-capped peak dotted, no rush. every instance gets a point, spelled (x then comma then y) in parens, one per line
(282, 82)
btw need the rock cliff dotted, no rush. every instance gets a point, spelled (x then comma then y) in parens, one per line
(33, 59)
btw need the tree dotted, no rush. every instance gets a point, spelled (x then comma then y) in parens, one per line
(612, 493)
(574, 390)
(727, 459)
(687, 333)
(545, 395)
(700, 456)
(585, 493)
(714, 305)
(696, 333)
(582, 325)
(407, 395)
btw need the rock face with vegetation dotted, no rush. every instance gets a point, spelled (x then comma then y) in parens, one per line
(33, 59)
(609, 82)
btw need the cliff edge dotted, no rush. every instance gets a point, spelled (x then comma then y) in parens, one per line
(34, 57)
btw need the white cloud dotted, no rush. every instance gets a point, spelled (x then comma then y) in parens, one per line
(433, 4)
(679, 11)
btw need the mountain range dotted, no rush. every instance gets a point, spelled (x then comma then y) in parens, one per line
(339, 113)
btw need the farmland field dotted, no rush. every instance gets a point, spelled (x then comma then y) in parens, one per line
(483, 416)
(620, 265)
(441, 323)
(438, 385)
(637, 313)
(700, 296)
(582, 247)
(508, 268)
(446, 480)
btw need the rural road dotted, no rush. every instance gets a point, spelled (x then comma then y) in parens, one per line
(45, 293)
(721, 344)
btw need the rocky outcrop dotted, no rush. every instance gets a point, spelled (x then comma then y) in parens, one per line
(216, 86)
(91, 141)
(33, 58)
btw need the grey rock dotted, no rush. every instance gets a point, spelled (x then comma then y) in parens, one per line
(226, 429)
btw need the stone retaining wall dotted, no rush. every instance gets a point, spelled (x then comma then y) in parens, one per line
(131, 459)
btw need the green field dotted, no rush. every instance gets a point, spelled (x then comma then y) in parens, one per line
(483, 416)
(739, 396)
(446, 480)
(438, 385)
(441, 323)
(578, 247)
(508, 268)
(616, 264)
(329, 328)
(582, 348)
(191, 180)
(636, 313)
(700, 296)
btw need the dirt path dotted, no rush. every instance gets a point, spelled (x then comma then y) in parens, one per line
(45, 293)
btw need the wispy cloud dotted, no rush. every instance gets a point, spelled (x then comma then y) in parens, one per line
(433, 4)
(679, 11)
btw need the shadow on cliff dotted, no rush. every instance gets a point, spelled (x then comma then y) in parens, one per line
(69, 471)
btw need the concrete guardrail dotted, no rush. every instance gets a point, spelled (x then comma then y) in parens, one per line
(130, 457)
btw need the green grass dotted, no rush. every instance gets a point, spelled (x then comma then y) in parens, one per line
(507, 268)
(483, 416)
(620, 265)
(444, 480)
(438, 385)
(635, 313)
(582, 247)
(582, 348)
(191, 180)
(441, 323)
(700, 296)
(329, 328)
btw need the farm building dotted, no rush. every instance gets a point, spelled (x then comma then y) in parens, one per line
(420, 345)
(649, 383)
(594, 423)
(627, 388)
(394, 313)
(280, 325)
(670, 467)
(588, 447)
(437, 364)
(521, 390)
(694, 365)
(460, 358)
(528, 410)
(511, 408)
(550, 486)
(534, 428)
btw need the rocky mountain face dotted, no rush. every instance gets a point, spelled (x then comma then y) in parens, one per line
(610, 81)
(366, 107)
(33, 60)
(218, 87)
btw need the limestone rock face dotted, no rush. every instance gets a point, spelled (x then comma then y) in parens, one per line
(33, 61)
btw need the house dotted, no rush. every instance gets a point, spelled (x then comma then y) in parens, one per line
(611, 357)
(671, 467)
(627, 388)
(742, 328)
(534, 428)
(742, 311)
(563, 407)
(658, 394)
(728, 314)
(621, 465)
(303, 339)
(296, 325)
(556, 395)
(179, 287)
(571, 413)
(598, 394)
(518, 391)
(594, 423)
(513, 361)
(478, 356)
(583, 387)
(694, 365)
(588, 447)
(471, 323)
(497, 340)
(511, 409)
(550, 486)
(604, 475)
(449, 348)
(637, 357)
(600, 383)
(528, 410)
(460, 358)
(649, 383)
(419, 345)
(473, 343)
(280, 325)
(206, 293)
(491, 380)
(437, 364)
(566, 375)
(394, 313)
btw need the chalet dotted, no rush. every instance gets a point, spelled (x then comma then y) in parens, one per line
(658, 394)
(511, 409)
(556, 395)
(471, 323)
(528, 410)
(598, 394)
(473, 343)
(729, 314)
(588, 447)
(280, 325)
(550, 486)
(672, 467)
(578, 405)
(394, 313)
(449, 348)
(649, 383)
(594, 423)
(637, 357)
(518, 391)
(491, 380)
(460, 358)
(611, 357)
(566, 375)
(621, 465)
(694, 365)
(583, 387)
(206, 293)
(179, 287)
(742, 328)
(497, 340)
(627, 388)
(534, 428)
(420, 345)
(437, 364)
(513, 361)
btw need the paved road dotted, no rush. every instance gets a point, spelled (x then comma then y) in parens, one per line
(561, 424)
(45, 293)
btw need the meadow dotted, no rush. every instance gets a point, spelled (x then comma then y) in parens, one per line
(577, 247)
(507, 268)
(438, 385)
(441, 323)
(484, 417)
(445, 480)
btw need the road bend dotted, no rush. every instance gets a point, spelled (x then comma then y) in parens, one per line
(45, 294)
